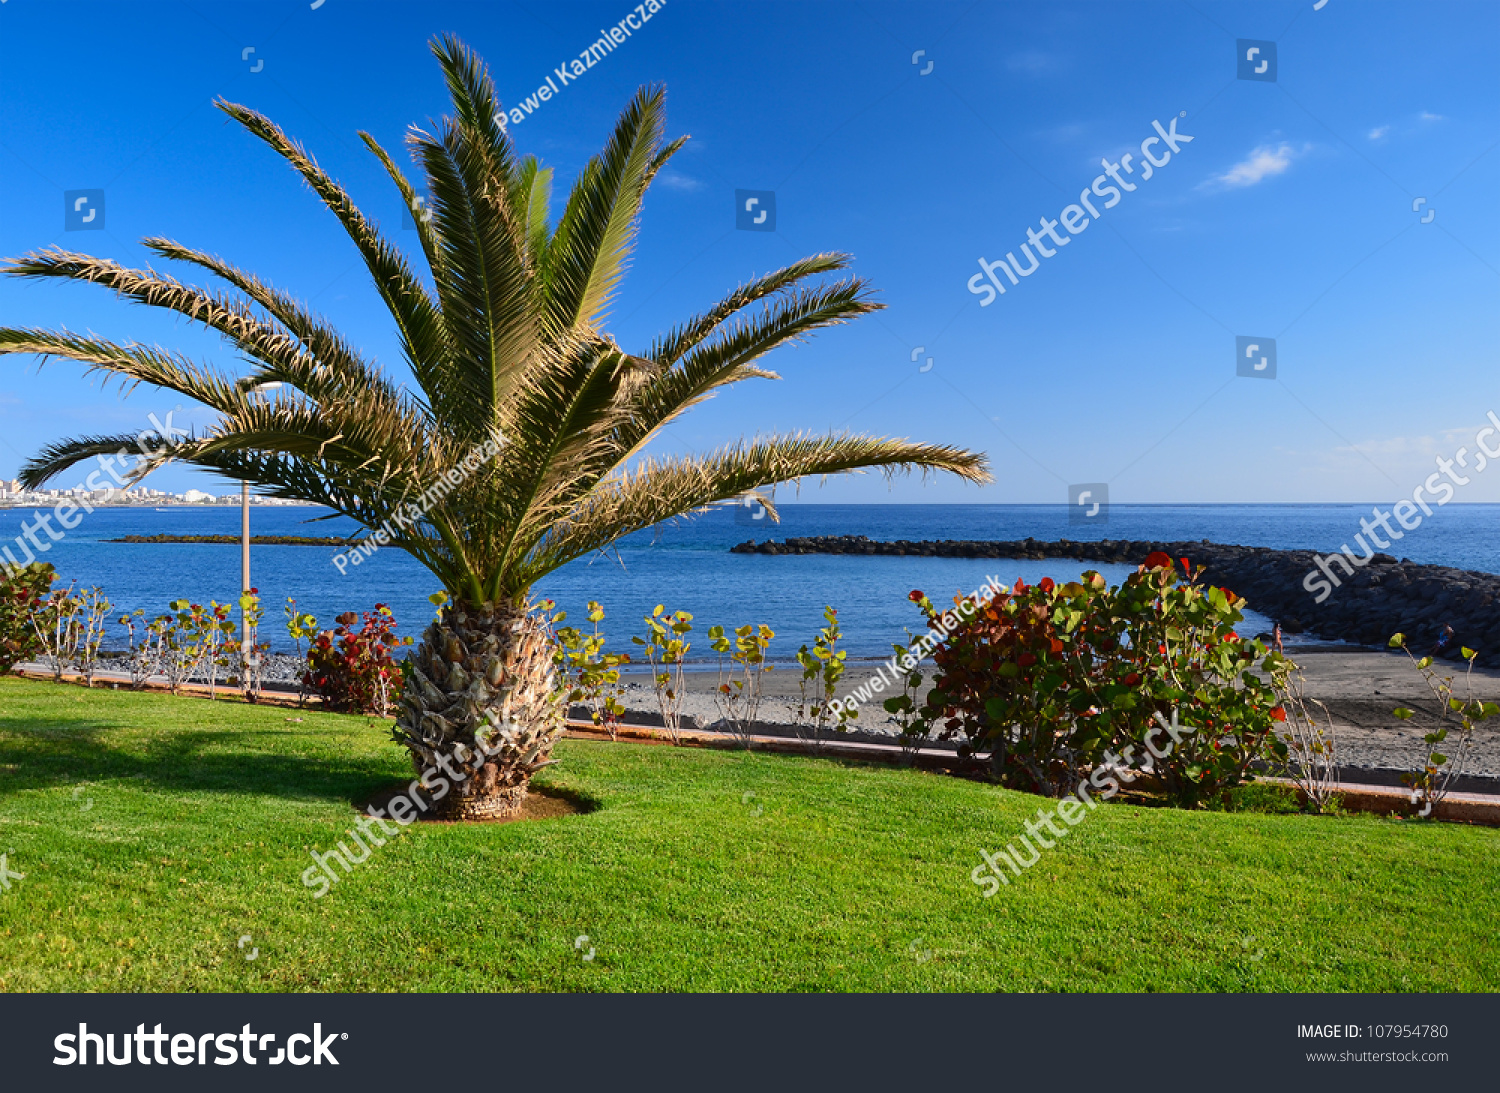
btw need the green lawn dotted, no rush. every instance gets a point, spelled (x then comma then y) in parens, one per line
(154, 832)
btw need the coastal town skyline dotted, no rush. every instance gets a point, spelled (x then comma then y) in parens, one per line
(14, 495)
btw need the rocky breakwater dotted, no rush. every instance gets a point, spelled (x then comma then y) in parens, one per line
(1382, 597)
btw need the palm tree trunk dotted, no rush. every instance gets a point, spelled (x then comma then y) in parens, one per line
(481, 710)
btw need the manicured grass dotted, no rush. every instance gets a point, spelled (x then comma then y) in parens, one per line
(155, 832)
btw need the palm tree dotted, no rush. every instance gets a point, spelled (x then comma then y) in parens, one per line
(506, 344)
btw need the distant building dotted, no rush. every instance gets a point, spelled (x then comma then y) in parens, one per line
(197, 497)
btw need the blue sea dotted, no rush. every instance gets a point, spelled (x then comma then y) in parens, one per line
(687, 565)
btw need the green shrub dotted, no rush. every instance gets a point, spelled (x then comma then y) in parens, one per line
(1058, 682)
(23, 590)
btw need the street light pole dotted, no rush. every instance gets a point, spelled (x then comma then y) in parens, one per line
(246, 643)
(244, 569)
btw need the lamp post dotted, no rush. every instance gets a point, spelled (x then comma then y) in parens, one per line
(246, 644)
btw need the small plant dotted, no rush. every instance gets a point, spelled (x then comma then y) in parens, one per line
(903, 707)
(1431, 783)
(22, 590)
(666, 650)
(202, 634)
(251, 652)
(70, 630)
(300, 627)
(93, 617)
(353, 670)
(593, 675)
(56, 621)
(822, 668)
(1312, 744)
(143, 655)
(164, 636)
(741, 679)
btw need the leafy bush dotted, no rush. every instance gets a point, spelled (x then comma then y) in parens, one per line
(667, 648)
(300, 627)
(22, 590)
(593, 676)
(1052, 679)
(822, 668)
(353, 670)
(1430, 784)
(742, 678)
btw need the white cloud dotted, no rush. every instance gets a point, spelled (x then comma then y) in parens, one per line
(1425, 116)
(1263, 162)
(1379, 131)
(672, 180)
(1390, 446)
(1070, 131)
(1032, 63)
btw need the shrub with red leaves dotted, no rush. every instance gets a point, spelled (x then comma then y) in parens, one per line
(353, 670)
(1053, 680)
(23, 590)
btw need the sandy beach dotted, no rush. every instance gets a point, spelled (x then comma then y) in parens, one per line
(1359, 686)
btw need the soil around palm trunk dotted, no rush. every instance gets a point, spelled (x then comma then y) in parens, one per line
(537, 804)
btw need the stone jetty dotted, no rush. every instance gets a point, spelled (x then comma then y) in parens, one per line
(1384, 596)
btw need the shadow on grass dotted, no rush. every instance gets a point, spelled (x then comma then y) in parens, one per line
(51, 753)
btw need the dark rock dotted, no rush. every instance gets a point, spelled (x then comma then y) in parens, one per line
(1366, 605)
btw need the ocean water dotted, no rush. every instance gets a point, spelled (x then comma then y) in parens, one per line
(687, 566)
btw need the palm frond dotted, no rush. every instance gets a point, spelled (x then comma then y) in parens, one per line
(656, 490)
(426, 235)
(418, 320)
(531, 199)
(661, 158)
(483, 281)
(728, 357)
(670, 348)
(593, 239)
(133, 363)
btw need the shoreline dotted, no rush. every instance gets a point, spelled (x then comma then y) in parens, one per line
(1379, 597)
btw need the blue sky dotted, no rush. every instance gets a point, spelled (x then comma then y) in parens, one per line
(1289, 216)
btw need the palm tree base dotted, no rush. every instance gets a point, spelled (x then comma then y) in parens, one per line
(500, 804)
(482, 709)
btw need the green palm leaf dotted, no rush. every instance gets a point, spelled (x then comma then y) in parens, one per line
(506, 348)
